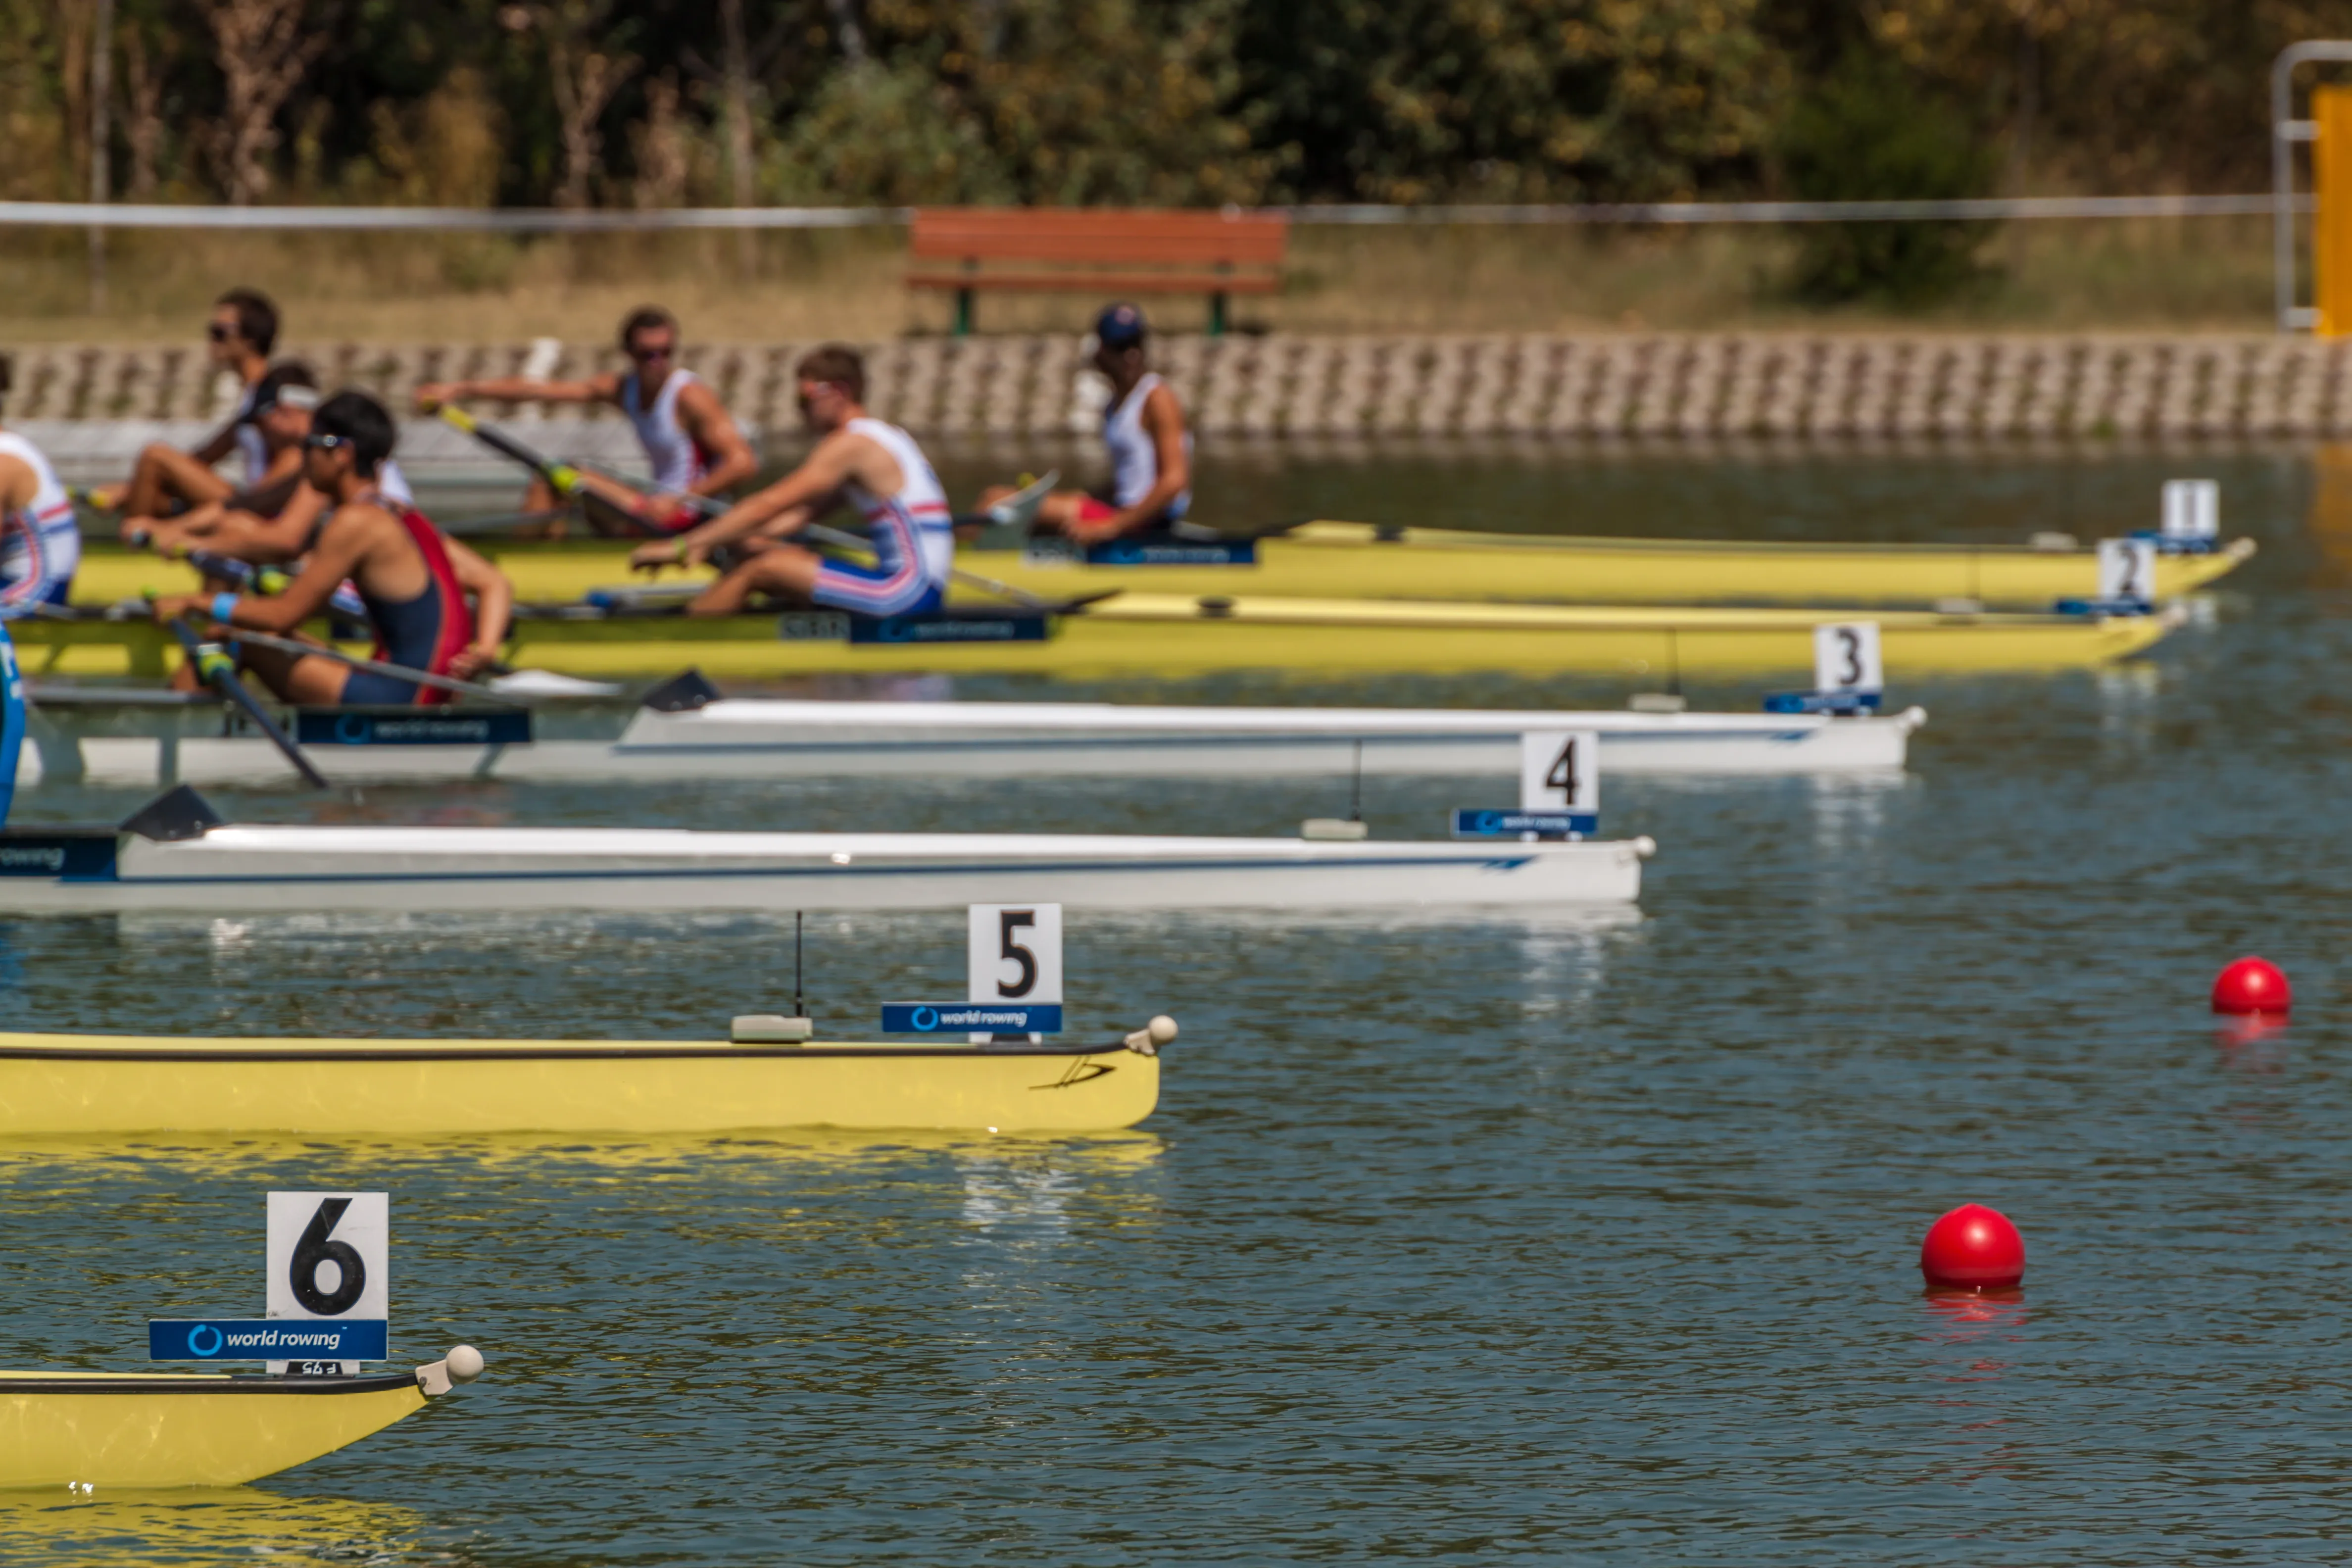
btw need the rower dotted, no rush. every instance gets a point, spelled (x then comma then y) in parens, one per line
(40, 543)
(277, 520)
(413, 579)
(1150, 449)
(689, 438)
(858, 459)
(243, 328)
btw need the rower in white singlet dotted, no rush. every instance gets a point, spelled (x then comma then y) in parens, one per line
(243, 330)
(859, 461)
(1150, 449)
(690, 442)
(40, 542)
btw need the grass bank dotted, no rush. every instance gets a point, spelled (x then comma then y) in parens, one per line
(2172, 275)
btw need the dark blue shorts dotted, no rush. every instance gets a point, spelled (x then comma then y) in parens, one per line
(366, 689)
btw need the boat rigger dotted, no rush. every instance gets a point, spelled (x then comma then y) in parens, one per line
(177, 854)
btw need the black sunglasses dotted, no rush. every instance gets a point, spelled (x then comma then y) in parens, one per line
(325, 443)
(218, 333)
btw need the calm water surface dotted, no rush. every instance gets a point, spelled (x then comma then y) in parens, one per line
(1469, 1238)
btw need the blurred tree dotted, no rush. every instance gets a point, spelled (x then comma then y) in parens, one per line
(1050, 102)
(1870, 132)
(1414, 100)
(262, 50)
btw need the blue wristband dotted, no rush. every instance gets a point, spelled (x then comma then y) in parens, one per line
(223, 607)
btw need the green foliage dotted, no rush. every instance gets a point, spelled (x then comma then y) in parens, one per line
(1870, 132)
(1416, 100)
(893, 135)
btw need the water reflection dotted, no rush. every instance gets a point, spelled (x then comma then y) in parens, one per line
(149, 1530)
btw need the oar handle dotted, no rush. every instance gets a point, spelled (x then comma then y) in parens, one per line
(219, 671)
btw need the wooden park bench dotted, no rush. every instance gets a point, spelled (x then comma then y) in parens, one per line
(1096, 250)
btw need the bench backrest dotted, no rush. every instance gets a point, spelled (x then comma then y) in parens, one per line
(1100, 235)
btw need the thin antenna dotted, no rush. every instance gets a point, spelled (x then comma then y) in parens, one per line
(1355, 790)
(799, 1011)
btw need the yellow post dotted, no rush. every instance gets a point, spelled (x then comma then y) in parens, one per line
(2331, 228)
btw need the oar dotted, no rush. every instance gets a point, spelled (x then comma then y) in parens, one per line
(219, 672)
(377, 666)
(566, 479)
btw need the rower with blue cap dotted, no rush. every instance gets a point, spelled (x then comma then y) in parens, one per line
(1151, 487)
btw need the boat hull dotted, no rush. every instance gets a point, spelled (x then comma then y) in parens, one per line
(139, 1431)
(1342, 560)
(241, 869)
(754, 738)
(97, 1085)
(1152, 635)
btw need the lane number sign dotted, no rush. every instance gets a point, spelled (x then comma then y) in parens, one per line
(1845, 658)
(330, 1256)
(1560, 769)
(2193, 508)
(2128, 569)
(1016, 955)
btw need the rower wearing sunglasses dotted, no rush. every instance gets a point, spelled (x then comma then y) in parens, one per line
(689, 438)
(414, 580)
(238, 338)
(278, 519)
(858, 461)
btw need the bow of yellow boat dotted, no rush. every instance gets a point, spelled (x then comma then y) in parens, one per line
(87, 1084)
(138, 1430)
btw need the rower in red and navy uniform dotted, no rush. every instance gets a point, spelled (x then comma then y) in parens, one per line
(414, 579)
(691, 442)
(858, 461)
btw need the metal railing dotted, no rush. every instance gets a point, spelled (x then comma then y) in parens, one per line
(553, 220)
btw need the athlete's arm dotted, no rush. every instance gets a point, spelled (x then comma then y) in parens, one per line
(493, 608)
(519, 389)
(18, 485)
(222, 442)
(249, 536)
(1163, 421)
(839, 458)
(713, 429)
(343, 544)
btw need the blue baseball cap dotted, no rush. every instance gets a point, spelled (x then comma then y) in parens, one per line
(1119, 327)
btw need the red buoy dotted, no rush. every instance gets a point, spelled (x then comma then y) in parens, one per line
(2252, 985)
(1973, 1248)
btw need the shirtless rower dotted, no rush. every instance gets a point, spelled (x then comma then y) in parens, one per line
(1150, 451)
(413, 578)
(277, 519)
(238, 339)
(688, 436)
(40, 543)
(858, 460)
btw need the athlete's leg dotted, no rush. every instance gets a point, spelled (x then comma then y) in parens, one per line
(785, 571)
(301, 678)
(164, 475)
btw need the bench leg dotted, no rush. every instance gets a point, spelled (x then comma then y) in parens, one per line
(963, 313)
(1216, 315)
